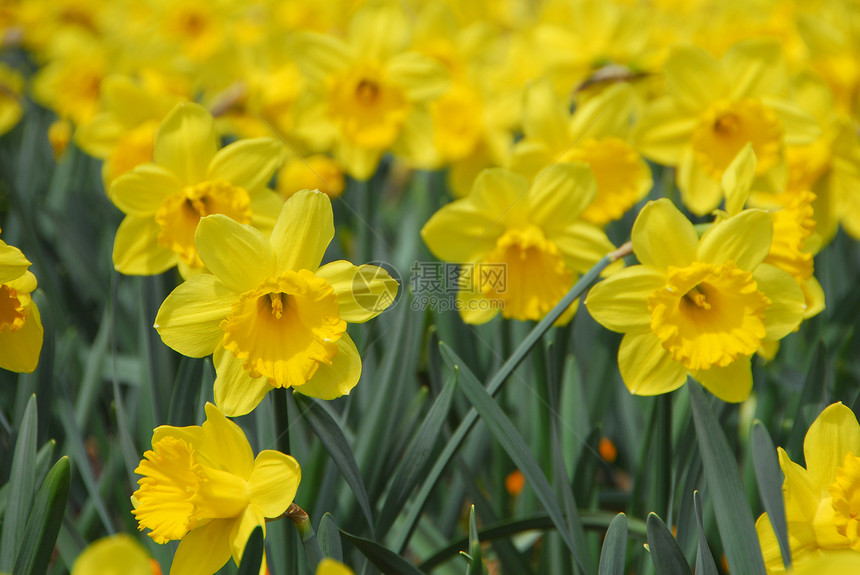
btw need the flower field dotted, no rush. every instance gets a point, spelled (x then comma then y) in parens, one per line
(350, 287)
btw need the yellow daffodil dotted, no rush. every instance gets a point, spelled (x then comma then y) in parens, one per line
(830, 563)
(821, 501)
(11, 83)
(363, 89)
(793, 225)
(596, 134)
(524, 242)
(270, 314)
(123, 133)
(190, 179)
(331, 567)
(202, 485)
(115, 555)
(696, 306)
(713, 109)
(20, 324)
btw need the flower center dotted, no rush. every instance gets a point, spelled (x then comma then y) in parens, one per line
(368, 110)
(165, 499)
(622, 178)
(845, 492)
(535, 277)
(12, 315)
(708, 314)
(285, 328)
(726, 127)
(180, 213)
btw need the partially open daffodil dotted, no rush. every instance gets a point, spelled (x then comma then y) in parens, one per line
(271, 315)
(203, 486)
(20, 324)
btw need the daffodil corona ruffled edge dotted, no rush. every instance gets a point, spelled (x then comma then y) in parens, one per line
(821, 504)
(268, 312)
(202, 485)
(698, 307)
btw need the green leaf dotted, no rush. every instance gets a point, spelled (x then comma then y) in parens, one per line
(513, 443)
(385, 559)
(811, 401)
(332, 437)
(769, 476)
(43, 526)
(614, 551)
(329, 538)
(476, 561)
(21, 487)
(252, 557)
(704, 558)
(493, 386)
(734, 517)
(413, 466)
(665, 553)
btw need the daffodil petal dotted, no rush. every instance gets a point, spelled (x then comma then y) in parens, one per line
(13, 264)
(249, 164)
(273, 482)
(502, 195)
(663, 237)
(204, 550)
(378, 30)
(559, 195)
(319, 55)
(700, 193)
(337, 379)
(800, 127)
(664, 131)
(120, 553)
(141, 191)
(582, 245)
(136, 250)
(756, 68)
(239, 255)
(607, 115)
(476, 308)
(529, 157)
(732, 383)
(304, 230)
(331, 567)
(787, 304)
(243, 526)
(743, 239)
(544, 117)
(421, 77)
(769, 543)
(228, 443)
(265, 207)
(830, 437)
(801, 494)
(24, 284)
(186, 142)
(98, 136)
(620, 302)
(738, 179)
(236, 392)
(693, 77)
(461, 232)
(20, 350)
(189, 318)
(647, 368)
(813, 293)
(363, 292)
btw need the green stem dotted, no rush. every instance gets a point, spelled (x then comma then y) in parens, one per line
(493, 385)
(282, 419)
(306, 531)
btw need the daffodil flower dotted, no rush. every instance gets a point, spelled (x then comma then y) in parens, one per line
(713, 109)
(523, 241)
(331, 567)
(202, 485)
(696, 306)
(190, 179)
(822, 501)
(363, 89)
(115, 555)
(270, 314)
(20, 324)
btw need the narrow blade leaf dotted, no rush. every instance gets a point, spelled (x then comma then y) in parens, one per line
(704, 558)
(614, 552)
(21, 487)
(769, 476)
(665, 553)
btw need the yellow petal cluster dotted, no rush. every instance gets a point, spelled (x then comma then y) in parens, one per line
(268, 312)
(203, 485)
